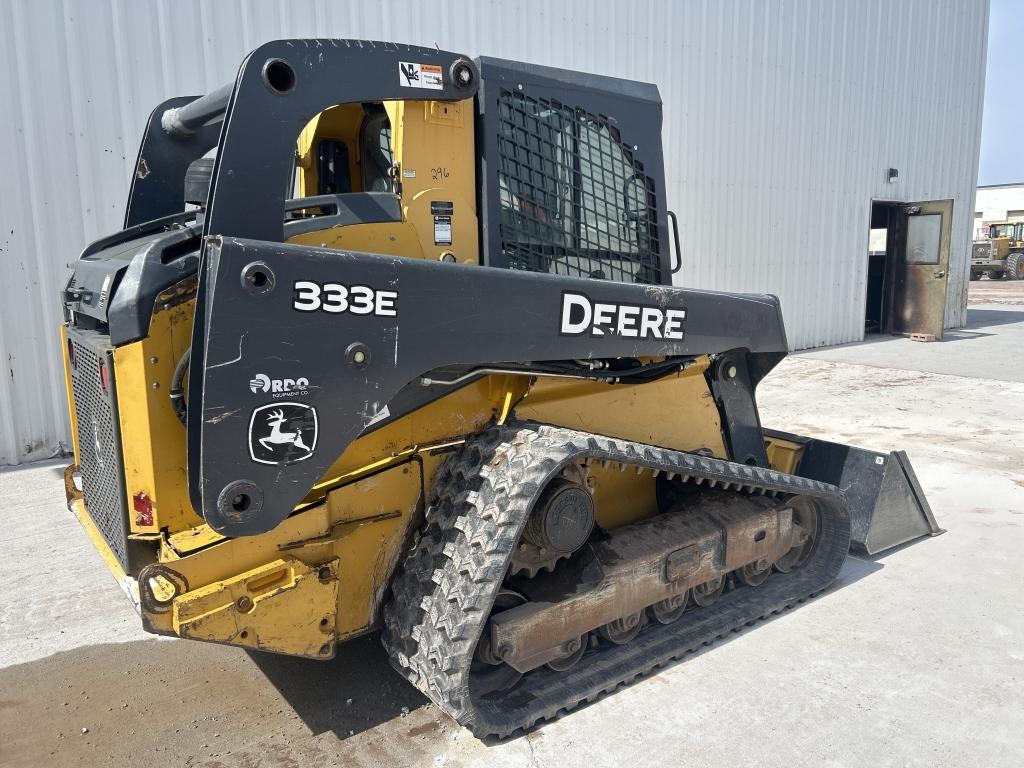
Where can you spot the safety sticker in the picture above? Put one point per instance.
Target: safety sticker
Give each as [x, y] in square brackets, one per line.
[413, 75]
[282, 433]
[442, 230]
[105, 291]
[383, 413]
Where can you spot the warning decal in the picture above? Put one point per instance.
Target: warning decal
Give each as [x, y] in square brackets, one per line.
[442, 230]
[412, 75]
[442, 211]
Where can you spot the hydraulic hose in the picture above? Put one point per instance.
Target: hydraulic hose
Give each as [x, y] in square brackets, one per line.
[177, 392]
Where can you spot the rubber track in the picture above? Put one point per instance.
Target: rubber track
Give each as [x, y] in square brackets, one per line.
[444, 590]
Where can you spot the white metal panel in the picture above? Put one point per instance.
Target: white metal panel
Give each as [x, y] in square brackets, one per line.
[996, 202]
[781, 119]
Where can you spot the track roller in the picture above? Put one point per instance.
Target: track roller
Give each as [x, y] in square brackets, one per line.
[621, 631]
[671, 608]
[707, 593]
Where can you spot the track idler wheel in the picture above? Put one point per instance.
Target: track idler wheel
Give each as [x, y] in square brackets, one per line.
[491, 673]
[671, 608]
[622, 630]
[805, 519]
[707, 593]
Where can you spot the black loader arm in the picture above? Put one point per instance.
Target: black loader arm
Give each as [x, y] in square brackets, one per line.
[359, 327]
[356, 329]
[280, 87]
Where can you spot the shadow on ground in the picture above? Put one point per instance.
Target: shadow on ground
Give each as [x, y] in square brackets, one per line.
[977, 319]
[983, 318]
[172, 702]
[355, 690]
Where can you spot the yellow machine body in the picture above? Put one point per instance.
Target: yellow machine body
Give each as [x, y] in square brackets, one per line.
[322, 575]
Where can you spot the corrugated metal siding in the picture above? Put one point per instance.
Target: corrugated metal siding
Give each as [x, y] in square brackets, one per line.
[781, 119]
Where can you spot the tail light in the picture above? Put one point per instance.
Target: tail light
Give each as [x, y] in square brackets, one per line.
[143, 506]
[104, 378]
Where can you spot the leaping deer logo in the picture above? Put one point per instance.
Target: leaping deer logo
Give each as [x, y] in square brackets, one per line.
[279, 437]
[282, 433]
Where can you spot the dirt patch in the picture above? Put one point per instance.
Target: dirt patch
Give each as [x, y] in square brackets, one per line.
[171, 703]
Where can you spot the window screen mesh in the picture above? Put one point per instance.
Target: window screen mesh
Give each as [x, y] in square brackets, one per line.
[573, 200]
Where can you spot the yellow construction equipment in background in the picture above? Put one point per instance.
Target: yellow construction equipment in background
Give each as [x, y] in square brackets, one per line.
[1000, 253]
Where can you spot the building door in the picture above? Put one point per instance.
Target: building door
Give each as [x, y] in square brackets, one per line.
[919, 267]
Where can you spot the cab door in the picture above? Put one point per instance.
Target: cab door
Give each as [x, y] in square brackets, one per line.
[919, 267]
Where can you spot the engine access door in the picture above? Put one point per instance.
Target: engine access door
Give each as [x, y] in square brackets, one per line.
[919, 267]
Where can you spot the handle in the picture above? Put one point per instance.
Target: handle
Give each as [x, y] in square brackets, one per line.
[675, 237]
[939, 274]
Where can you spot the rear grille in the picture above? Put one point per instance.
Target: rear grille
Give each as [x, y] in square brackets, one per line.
[99, 438]
[573, 199]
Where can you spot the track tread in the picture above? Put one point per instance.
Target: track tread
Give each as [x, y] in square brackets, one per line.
[447, 583]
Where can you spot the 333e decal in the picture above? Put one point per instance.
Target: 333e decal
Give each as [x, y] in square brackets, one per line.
[335, 298]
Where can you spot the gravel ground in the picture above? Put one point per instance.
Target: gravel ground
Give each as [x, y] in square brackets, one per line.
[987, 291]
[912, 658]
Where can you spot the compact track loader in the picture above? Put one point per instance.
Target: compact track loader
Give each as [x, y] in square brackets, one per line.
[389, 339]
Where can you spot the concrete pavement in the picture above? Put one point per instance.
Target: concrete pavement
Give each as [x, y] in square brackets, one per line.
[987, 347]
[914, 658]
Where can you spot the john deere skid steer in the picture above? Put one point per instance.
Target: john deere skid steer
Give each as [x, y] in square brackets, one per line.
[389, 339]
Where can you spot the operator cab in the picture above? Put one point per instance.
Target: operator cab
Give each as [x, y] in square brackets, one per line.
[1014, 230]
[345, 149]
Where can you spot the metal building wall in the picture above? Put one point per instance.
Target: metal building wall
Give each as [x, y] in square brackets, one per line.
[997, 201]
[781, 119]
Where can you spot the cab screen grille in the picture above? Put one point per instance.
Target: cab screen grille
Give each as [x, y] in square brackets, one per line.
[573, 200]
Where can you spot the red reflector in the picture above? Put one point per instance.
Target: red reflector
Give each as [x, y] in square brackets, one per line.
[143, 508]
[104, 377]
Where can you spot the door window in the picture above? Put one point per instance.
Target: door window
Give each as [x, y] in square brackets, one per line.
[923, 235]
